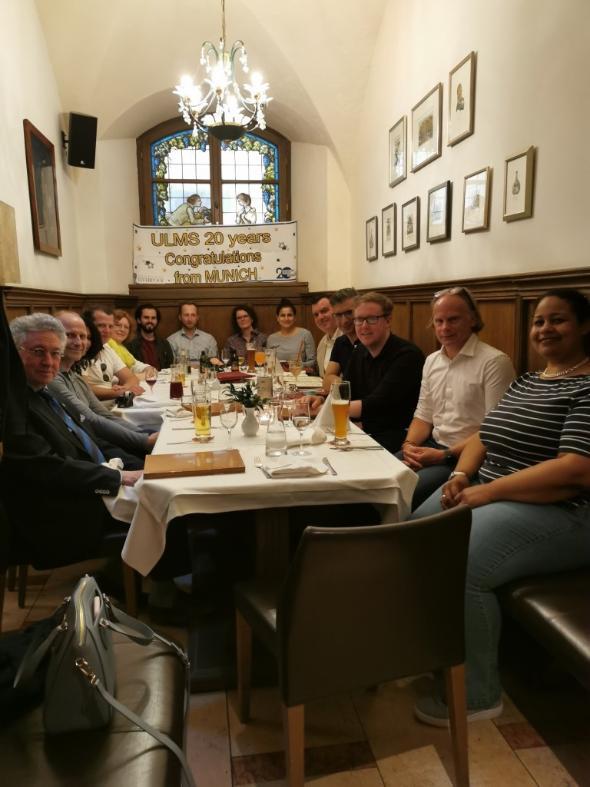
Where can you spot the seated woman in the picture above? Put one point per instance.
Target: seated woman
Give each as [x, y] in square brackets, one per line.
[291, 341]
[103, 369]
[526, 475]
[244, 323]
[121, 334]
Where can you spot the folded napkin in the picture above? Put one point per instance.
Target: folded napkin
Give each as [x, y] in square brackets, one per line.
[316, 437]
[296, 468]
[147, 401]
[177, 412]
[233, 377]
[325, 418]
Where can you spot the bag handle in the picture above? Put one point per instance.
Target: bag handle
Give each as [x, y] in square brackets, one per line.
[164, 739]
[137, 631]
[34, 655]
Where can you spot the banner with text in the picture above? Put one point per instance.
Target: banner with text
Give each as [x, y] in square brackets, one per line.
[215, 254]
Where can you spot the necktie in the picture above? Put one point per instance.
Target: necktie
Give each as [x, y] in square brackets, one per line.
[88, 443]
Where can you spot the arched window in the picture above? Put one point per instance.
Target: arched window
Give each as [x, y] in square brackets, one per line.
[186, 179]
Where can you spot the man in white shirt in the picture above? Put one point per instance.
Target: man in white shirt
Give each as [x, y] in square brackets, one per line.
[461, 382]
[321, 310]
[188, 338]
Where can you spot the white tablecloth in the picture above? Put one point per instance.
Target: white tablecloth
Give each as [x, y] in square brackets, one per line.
[374, 477]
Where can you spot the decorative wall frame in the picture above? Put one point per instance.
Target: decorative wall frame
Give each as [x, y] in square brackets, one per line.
[476, 200]
[371, 239]
[411, 224]
[438, 225]
[461, 100]
[398, 152]
[389, 230]
[426, 128]
[40, 157]
[518, 185]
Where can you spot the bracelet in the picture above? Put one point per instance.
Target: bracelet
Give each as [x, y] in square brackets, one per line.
[456, 473]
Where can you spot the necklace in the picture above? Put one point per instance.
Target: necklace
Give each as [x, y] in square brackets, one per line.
[563, 372]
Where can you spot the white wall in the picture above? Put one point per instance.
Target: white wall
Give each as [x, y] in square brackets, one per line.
[28, 90]
[531, 89]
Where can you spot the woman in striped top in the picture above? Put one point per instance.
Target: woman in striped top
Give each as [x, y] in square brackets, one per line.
[526, 477]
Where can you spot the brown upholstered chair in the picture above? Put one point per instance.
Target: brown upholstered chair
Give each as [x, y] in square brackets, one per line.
[361, 606]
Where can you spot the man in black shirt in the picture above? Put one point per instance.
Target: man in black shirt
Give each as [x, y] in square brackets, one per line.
[342, 303]
[384, 373]
[146, 346]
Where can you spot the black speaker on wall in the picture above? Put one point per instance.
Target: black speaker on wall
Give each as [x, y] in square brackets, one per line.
[82, 140]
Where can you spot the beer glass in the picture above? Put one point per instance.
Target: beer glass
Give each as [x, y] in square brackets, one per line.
[340, 393]
[201, 411]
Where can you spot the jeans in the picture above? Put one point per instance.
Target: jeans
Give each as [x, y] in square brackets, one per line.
[430, 477]
[509, 540]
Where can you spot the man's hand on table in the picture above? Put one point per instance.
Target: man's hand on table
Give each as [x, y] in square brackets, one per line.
[130, 477]
[151, 440]
[315, 403]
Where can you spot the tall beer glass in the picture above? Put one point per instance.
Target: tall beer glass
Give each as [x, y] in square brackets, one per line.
[201, 411]
[340, 393]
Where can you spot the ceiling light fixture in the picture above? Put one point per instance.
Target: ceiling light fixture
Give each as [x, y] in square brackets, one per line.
[218, 105]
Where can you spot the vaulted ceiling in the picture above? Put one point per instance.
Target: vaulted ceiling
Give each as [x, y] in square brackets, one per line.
[119, 60]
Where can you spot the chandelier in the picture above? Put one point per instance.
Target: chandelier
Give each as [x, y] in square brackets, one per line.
[219, 105]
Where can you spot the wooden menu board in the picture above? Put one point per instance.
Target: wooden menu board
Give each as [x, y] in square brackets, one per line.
[198, 463]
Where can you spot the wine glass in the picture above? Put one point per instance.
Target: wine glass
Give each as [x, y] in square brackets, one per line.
[151, 376]
[225, 356]
[228, 416]
[301, 418]
[296, 367]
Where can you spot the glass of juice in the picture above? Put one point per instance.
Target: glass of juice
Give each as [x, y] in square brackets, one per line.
[340, 393]
[201, 396]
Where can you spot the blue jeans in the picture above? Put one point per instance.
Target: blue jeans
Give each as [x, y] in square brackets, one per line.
[509, 540]
[430, 477]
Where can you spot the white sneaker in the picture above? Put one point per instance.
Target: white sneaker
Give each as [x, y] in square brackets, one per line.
[434, 711]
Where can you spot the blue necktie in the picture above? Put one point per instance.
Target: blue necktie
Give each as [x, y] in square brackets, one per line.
[88, 443]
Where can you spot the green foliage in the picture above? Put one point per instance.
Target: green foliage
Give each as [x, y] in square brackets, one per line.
[246, 396]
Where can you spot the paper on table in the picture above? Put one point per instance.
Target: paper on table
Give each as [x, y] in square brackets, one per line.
[295, 468]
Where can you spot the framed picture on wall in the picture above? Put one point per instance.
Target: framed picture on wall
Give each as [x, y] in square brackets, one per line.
[40, 158]
[411, 224]
[371, 240]
[461, 100]
[388, 230]
[439, 213]
[476, 200]
[426, 128]
[518, 185]
[398, 162]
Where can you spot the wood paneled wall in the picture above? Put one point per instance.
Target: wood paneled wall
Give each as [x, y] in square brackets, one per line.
[506, 304]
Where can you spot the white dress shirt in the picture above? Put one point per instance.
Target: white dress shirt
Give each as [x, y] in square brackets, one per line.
[456, 393]
[324, 350]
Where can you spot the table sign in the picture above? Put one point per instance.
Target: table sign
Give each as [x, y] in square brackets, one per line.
[198, 463]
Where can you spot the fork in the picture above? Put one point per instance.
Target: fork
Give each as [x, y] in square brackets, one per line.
[259, 464]
[328, 464]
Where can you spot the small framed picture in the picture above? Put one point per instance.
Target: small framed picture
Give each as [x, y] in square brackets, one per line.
[426, 128]
[398, 163]
[461, 100]
[439, 213]
[388, 230]
[371, 241]
[518, 185]
[40, 158]
[476, 200]
[411, 224]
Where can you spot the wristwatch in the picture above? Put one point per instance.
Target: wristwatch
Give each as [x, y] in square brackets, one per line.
[448, 457]
[456, 473]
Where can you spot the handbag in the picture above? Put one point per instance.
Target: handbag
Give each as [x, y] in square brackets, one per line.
[80, 682]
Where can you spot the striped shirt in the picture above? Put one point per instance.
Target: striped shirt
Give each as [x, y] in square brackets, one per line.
[536, 420]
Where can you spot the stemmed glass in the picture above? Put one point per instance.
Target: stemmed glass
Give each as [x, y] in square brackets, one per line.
[296, 367]
[228, 416]
[225, 356]
[301, 419]
[151, 376]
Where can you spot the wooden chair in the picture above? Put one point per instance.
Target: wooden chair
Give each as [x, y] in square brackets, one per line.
[361, 606]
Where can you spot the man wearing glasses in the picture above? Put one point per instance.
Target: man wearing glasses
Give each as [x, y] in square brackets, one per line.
[461, 382]
[384, 373]
[342, 303]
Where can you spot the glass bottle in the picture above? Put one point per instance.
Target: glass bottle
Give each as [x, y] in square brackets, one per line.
[276, 436]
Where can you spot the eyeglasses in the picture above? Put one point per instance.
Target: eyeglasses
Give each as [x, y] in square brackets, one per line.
[455, 291]
[105, 377]
[41, 352]
[348, 314]
[372, 320]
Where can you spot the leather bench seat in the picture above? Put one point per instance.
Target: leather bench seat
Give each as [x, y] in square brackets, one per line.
[151, 681]
[555, 610]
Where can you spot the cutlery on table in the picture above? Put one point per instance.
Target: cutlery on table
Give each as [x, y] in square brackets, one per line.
[259, 464]
[357, 448]
[328, 464]
[181, 442]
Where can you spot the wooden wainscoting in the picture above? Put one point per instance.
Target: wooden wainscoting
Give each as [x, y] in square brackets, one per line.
[506, 304]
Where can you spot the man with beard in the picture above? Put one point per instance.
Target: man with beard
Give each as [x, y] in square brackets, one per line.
[146, 346]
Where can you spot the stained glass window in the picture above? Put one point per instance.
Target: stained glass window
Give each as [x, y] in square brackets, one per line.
[198, 180]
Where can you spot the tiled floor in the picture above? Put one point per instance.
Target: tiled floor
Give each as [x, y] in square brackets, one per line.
[369, 739]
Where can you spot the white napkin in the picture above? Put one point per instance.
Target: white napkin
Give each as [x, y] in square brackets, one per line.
[296, 468]
[146, 401]
[177, 412]
[316, 437]
[325, 418]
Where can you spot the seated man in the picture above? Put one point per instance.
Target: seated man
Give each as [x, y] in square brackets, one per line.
[147, 345]
[189, 338]
[342, 303]
[52, 476]
[461, 382]
[323, 316]
[384, 373]
[107, 374]
[71, 390]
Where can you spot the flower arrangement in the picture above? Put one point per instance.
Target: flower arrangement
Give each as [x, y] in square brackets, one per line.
[246, 396]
